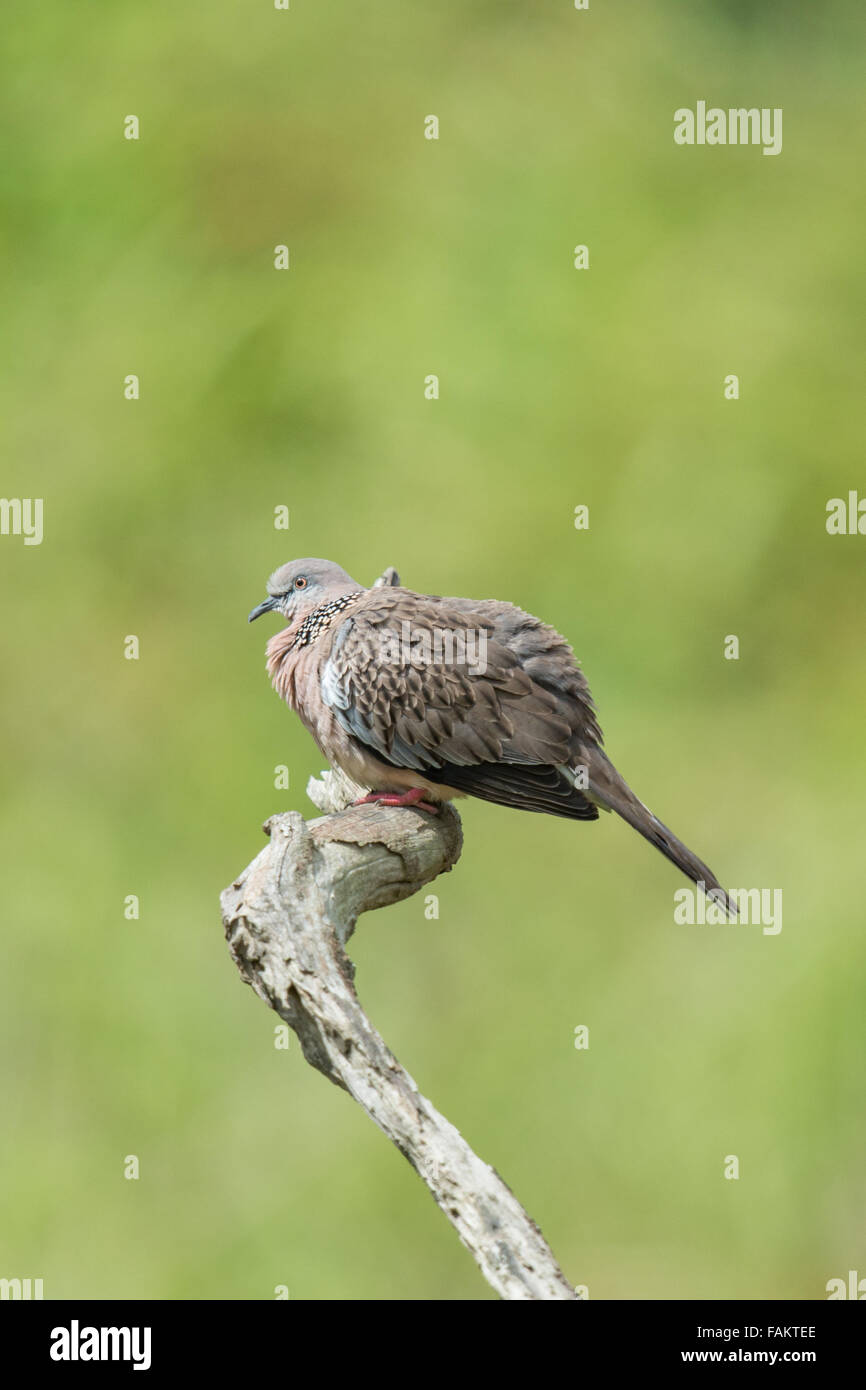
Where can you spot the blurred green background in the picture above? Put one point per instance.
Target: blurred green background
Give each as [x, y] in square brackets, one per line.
[306, 388]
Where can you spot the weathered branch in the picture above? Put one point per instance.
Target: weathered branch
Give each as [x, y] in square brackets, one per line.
[287, 919]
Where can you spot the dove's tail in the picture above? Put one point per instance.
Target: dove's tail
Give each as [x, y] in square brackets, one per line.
[609, 790]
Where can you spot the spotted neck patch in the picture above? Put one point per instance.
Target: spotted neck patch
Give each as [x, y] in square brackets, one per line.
[321, 618]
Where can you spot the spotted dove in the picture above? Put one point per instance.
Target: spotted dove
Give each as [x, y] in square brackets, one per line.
[421, 699]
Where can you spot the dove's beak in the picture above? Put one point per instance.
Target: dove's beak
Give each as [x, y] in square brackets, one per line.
[266, 606]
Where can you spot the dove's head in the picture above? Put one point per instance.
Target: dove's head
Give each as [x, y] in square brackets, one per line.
[299, 587]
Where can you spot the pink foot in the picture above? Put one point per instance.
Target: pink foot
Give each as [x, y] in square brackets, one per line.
[413, 797]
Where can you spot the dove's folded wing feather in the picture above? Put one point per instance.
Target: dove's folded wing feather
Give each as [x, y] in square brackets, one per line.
[481, 719]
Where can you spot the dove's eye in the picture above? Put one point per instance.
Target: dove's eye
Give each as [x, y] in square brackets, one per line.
[300, 582]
